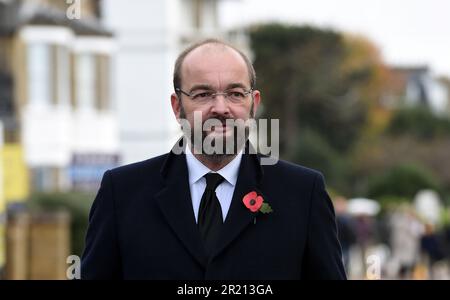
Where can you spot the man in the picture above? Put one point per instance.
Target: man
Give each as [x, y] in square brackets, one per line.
[212, 215]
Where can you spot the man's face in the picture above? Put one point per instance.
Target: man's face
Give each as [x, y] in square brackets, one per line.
[215, 68]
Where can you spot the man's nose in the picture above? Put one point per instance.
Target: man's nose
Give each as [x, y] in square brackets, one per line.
[220, 105]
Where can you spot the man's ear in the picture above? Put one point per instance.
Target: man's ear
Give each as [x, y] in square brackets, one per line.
[256, 101]
[176, 105]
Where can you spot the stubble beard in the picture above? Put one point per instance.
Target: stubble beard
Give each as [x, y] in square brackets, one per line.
[231, 144]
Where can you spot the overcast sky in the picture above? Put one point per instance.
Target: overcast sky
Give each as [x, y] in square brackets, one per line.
[408, 32]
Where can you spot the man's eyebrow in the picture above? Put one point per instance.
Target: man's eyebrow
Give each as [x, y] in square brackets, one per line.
[235, 85]
[201, 87]
[210, 87]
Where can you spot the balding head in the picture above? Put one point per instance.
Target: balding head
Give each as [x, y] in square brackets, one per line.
[210, 47]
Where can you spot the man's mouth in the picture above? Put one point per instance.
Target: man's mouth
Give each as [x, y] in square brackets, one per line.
[220, 129]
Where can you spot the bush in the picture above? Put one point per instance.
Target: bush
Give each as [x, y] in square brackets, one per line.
[313, 151]
[402, 181]
[419, 122]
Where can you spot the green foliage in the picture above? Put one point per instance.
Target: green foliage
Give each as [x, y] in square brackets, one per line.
[77, 204]
[445, 198]
[402, 181]
[445, 217]
[419, 122]
[300, 70]
[313, 151]
[387, 203]
[324, 87]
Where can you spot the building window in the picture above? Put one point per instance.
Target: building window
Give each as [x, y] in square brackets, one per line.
[86, 81]
[40, 74]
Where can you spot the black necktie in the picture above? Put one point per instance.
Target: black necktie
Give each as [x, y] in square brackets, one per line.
[210, 214]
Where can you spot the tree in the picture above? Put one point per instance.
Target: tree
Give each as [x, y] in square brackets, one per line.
[313, 151]
[315, 79]
[403, 180]
[419, 122]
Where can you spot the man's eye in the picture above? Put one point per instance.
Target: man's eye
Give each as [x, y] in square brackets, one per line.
[236, 95]
[202, 95]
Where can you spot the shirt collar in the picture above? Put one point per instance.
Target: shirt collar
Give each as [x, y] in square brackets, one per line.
[197, 169]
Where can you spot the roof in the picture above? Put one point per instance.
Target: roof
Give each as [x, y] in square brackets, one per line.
[13, 16]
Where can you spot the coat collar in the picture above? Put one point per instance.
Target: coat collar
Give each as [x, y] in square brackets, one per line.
[176, 205]
[197, 170]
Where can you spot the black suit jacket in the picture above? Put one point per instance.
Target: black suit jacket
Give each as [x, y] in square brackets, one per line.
[142, 226]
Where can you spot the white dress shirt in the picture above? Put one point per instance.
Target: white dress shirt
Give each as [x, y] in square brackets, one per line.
[197, 183]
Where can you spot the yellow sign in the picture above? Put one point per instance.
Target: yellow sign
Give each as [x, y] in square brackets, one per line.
[2, 204]
[15, 173]
[2, 183]
[2, 243]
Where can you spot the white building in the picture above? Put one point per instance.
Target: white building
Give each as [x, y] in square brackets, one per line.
[417, 85]
[62, 111]
[150, 34]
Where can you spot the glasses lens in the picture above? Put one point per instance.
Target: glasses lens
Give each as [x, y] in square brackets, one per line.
[236, 95]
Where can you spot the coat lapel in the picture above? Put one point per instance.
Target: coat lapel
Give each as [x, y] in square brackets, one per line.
[239, 217]
[175, 203]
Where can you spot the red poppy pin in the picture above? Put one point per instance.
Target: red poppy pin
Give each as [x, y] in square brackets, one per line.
[255, 202]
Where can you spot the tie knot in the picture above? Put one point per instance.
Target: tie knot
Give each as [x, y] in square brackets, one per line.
[213, 180]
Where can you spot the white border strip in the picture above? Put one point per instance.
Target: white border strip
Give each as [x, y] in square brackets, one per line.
[46, 34]
[102, 45]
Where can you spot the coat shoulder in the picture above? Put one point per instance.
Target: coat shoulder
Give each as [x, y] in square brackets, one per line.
[291, 175]
[286, 168]
[149, 168]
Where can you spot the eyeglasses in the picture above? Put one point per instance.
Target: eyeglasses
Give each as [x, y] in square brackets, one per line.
[234, 95]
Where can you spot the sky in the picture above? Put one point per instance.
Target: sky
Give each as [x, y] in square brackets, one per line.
[408, 32]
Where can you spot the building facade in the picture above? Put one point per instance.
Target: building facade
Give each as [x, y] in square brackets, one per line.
[55, 90]
[417, 86]
[150, 34]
